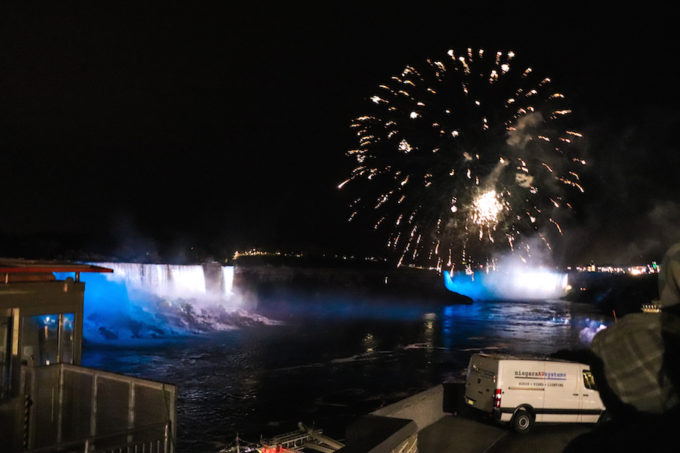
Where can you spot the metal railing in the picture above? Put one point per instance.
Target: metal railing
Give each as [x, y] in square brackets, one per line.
[115, 443]
[73, 405]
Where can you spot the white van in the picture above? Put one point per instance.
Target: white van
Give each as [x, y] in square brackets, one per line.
[524, 391]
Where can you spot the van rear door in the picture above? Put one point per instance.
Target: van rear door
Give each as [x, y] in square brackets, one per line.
[480, 384]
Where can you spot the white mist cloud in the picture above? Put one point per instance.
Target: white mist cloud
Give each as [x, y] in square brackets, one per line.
[659, 229]
[520, 134]
[513, 277]
[524, 180]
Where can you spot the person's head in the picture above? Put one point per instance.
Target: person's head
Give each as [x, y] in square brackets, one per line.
[669, 279]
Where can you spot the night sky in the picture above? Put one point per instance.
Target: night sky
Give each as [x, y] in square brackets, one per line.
[183, 132]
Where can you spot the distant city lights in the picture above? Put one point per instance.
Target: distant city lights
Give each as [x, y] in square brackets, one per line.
[636, 270]
[256, 252]
[645, 269]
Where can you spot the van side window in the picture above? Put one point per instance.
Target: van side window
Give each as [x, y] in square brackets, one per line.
[589, 380]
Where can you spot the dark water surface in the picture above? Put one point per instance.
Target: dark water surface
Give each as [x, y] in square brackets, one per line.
[327, 366]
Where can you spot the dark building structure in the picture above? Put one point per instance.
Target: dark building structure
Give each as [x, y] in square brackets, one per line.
[48, 402]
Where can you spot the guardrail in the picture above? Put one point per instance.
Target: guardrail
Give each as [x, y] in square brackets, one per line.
[71, 405]
[158, 441]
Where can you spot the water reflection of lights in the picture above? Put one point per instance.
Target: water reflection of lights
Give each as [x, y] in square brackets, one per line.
[592, 327]
[430, 318]
[428, 330]
[519, 326]
[369, 343]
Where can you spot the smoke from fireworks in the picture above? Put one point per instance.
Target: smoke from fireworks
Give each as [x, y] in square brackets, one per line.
[462, 157]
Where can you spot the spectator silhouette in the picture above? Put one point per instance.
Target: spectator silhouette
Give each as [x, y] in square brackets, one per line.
[635, 363]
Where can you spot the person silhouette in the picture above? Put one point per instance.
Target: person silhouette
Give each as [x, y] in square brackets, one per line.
[635, 364]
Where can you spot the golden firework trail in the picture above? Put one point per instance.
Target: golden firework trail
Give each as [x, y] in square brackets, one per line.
[463, 156]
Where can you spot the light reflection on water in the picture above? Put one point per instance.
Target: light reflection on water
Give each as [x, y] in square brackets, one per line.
[536, 327]
[329, 366]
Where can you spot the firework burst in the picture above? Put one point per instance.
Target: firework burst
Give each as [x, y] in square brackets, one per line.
[464, 156]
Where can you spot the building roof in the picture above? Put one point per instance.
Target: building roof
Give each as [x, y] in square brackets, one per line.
[19, 265]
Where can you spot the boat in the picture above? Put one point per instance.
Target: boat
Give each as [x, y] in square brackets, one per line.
[303, 439]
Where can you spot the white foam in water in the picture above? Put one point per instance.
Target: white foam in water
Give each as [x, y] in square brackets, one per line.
[587, 334]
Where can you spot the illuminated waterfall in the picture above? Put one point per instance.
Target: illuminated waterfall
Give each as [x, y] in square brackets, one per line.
[228, 280]
[512, 284]
[149, 301]
[173, 281]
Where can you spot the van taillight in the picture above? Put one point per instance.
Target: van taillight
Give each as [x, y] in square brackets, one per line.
[497, 399]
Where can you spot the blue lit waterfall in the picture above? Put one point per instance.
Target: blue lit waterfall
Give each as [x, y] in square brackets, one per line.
[147, 302]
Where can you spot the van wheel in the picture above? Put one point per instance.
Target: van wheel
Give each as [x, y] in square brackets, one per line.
[522, 421]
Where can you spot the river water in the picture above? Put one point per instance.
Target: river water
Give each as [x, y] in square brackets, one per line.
[325, 365]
